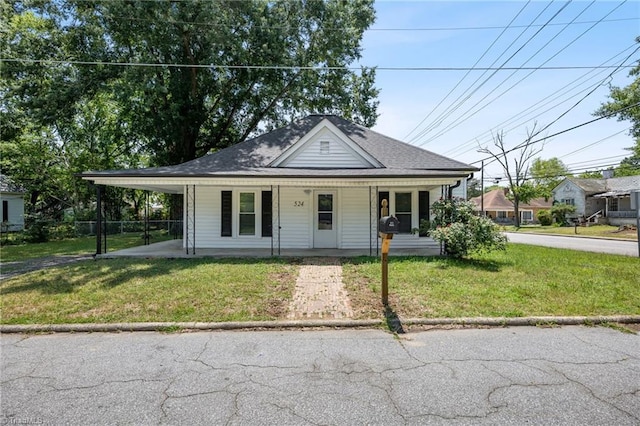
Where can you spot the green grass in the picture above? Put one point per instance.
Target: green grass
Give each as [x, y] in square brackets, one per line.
[128, 290]
[70, 246]
[604, 231]
[525, 280]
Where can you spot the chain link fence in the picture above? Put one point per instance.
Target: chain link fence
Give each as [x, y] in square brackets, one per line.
[173, 227]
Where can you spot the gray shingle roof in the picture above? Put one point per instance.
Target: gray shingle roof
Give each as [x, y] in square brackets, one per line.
[253, 157]
[9, 186]
[611, 185]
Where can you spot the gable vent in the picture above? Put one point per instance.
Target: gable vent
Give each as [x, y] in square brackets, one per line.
[324, 147]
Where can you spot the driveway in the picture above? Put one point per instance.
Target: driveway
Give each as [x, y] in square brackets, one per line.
[598, 245]
[569, 375]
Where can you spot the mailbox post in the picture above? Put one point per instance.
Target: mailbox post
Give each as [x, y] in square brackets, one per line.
[387, 227]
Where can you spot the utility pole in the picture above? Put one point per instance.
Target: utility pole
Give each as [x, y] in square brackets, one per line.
[482, 188]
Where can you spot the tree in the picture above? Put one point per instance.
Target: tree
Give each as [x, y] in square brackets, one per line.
[462, 232]
[218, 72]
[547, 174]
[474, 189]
[630, 166]
[590, 175]
[520, 191]
[625, 102]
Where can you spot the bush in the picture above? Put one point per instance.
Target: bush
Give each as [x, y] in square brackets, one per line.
[462, 232]
[545, 218]
[37, 232]
[561, 211]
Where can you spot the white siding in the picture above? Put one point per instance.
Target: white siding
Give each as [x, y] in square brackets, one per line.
[355, 218]
[568, 189]
[356, 229]
[296, 217]
[15, 211]
[339, 155]
[208, 220]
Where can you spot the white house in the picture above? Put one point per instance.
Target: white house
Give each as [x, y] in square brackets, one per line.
[607, 197]
[316, 183]
[12, 197]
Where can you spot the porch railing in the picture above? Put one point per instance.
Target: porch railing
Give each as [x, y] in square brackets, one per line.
[622, 213]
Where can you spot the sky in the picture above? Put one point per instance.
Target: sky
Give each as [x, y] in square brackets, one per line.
[454, 112]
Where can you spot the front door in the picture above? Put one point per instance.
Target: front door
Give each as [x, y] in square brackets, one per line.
[325, 234]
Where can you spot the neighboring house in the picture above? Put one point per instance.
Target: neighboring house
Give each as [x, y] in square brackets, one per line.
[316, 183]
[12, 197]
[499, 208]
[594, 198]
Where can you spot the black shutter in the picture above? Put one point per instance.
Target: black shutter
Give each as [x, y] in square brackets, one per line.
[5, 211]
[226, 214]
[383, 195]
[423, 208]
[266, 214]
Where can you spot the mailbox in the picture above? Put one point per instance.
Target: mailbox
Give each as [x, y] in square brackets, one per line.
[389, 225]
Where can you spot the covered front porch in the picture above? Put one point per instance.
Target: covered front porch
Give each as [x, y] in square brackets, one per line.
[174, 249]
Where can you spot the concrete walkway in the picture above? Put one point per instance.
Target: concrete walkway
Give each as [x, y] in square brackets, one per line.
[319, 291]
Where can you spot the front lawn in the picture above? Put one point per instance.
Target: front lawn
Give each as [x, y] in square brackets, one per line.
[142, 290]
[72, 246]
[603, 231]
[525, 280]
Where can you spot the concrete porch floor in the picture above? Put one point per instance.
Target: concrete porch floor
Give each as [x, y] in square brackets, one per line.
[173, 249]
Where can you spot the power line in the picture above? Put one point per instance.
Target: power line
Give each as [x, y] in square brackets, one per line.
[594, 143]
[470, 111]
[525, 143]
[468, 72]
[297, 68]
[538, 105]
[458, 102]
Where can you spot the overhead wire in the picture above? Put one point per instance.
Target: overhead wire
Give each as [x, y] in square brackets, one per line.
[565, 90]
[463, 118]
[468, 72]
[458, 102]
[533, 142]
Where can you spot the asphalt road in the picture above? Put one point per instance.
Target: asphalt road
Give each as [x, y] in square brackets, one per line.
[545, 376]
[598, 245]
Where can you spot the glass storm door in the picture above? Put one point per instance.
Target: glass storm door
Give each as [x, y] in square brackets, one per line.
[325, 234]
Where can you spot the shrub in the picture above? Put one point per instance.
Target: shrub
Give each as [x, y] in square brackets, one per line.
[37, 232]
[462, 232]
[560, 212]
[545, 218]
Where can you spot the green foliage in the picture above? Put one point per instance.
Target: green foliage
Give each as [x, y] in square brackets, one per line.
[455, 225]
[621, 100]
[547, 174]
[561, 211]
[630, 166]
[545, 218]
[524, 192]
[37, 231]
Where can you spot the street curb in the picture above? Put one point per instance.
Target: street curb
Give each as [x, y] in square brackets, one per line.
[571, 236]
[253, 325]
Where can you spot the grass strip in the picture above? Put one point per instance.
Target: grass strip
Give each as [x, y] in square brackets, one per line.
[147, 290]
[522, 281]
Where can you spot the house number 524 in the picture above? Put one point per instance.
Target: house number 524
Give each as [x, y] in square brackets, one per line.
[298, 204]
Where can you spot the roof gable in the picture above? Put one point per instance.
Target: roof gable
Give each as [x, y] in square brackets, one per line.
[384, 156]
[325, 146]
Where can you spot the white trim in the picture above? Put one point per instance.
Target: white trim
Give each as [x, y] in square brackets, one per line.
[176, 185]
[288, 154]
